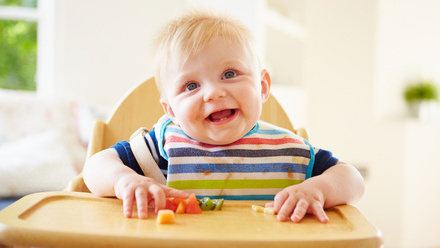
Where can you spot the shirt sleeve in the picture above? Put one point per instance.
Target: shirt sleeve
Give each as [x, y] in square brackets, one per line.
[323, 160]
[127, 157]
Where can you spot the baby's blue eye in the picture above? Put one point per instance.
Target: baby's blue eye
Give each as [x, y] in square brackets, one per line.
[191, 86]
[229, 74]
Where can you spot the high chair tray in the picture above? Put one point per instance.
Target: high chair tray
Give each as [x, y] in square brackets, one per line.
[67, 219]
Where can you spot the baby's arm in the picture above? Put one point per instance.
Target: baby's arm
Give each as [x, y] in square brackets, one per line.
[340, 184]
[106, 175]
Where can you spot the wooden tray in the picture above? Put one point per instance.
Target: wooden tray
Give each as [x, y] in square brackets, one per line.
[67, 219]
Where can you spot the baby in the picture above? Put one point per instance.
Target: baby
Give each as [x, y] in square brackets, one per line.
[211, 142]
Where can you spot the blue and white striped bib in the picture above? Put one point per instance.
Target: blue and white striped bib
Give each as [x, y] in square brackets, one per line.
[255, 167]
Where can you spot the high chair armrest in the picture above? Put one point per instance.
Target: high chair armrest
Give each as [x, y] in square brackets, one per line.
[77, 185]
[95, 145]
[96, 142]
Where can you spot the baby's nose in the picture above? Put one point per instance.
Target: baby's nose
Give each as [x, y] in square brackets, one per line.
[214, 92]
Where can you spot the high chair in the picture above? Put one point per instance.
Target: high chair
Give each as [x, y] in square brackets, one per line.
[76, 218]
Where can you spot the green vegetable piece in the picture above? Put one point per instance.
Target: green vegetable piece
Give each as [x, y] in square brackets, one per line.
[207, 204]
[218, 203]
[199, 202]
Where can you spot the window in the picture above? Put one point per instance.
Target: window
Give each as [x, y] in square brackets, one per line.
[18, 44]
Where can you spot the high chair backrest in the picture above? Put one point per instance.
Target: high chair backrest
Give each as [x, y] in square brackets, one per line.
[141, 108]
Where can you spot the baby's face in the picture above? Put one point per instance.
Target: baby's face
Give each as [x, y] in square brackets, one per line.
[216, 97]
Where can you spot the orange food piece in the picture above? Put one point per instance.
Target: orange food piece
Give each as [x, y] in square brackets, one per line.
[176, 201]
[165, 216]
[181, 208]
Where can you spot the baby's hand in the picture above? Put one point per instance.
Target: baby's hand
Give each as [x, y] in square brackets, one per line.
[144, 191]
[297, 200]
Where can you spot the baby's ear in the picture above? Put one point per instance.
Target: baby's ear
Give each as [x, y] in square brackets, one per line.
[168, 110]
[266, 83]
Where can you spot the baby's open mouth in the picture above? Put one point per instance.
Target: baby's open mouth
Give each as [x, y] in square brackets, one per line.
[222, 115]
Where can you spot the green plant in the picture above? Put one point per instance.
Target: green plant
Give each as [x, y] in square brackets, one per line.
[421, 91]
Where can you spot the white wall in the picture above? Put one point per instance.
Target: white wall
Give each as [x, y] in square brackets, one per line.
[103, 47]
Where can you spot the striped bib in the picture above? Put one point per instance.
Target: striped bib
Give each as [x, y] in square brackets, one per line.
[256, 167]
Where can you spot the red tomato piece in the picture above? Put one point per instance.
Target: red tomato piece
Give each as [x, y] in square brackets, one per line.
[170, 205]
[192, 206]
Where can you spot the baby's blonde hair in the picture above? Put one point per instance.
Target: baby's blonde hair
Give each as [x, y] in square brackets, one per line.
[189, 34]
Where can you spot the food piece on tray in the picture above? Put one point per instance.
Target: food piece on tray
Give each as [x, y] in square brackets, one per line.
[165, 216]
[218, 204]
[266, 210]
[181, 206]
[269, 210]
[192, 206]
[169, 204]
[207, 204]
[257, 208]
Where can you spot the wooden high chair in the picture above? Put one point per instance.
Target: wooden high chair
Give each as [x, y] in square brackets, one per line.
[76, 218]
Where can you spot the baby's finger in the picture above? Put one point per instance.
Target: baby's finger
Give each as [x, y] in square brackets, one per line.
[300, 211]
[142, 202]
[279, 200]
[269, 204]
[127, 203]
[319, 212]
[159, 196]
[286, 209]
[170, 192]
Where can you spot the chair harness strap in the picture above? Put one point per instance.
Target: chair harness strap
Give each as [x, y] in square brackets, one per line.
[143, 156]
